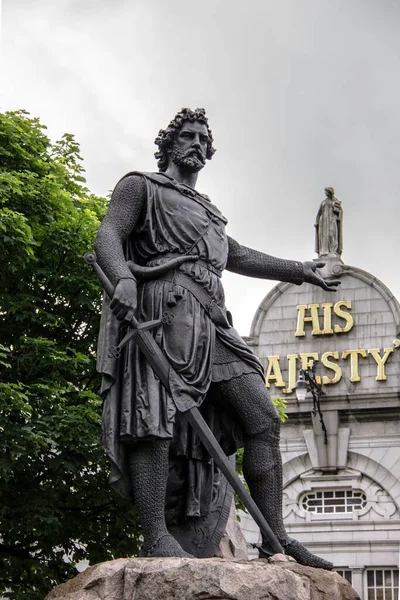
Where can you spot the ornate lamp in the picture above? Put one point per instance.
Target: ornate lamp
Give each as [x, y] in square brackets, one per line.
[302, 386]
[307, 383]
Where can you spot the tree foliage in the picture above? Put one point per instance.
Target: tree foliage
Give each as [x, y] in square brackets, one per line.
[56, 508]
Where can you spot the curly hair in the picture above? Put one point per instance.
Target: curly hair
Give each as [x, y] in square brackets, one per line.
[166, 137]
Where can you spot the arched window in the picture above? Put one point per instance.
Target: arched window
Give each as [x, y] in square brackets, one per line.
[333, 501]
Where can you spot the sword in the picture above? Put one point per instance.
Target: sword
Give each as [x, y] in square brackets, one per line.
[160, 364]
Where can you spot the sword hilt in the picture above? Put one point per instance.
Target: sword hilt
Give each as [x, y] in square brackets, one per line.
[91, 259]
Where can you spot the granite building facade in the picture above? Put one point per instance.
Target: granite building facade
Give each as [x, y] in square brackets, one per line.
[341, 491]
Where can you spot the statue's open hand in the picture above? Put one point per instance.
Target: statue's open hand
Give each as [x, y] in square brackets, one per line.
[312, 276]
[124, 300]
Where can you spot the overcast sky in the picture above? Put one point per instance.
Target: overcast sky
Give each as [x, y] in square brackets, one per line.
[300, 94]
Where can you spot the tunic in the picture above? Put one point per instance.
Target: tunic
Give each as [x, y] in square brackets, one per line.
[176, 220]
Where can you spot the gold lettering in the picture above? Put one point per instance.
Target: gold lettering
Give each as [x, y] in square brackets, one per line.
[343, 315]
[274, 373]
[380, 361]
[327, 306]
[331, 365]
[292, 373]
[354, 354]
[307, 361]
[302, 319]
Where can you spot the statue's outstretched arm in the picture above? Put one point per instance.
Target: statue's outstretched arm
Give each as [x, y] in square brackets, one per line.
[126, 204]
[252, 263]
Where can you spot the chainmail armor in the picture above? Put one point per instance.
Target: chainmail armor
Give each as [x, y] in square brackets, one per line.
[249, 262]
[127, 201]
[148, 465]
[248, 397]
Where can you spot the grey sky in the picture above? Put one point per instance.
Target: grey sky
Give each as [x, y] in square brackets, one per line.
[300, 95]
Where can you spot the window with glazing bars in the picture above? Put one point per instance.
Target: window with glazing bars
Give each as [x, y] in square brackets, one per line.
[382, 584]
[333, 501]
[346, 574]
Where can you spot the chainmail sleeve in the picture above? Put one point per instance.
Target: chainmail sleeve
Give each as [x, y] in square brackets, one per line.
[245, 261]
[126, 204]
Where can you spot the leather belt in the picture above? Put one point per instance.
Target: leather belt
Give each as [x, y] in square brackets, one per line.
[214, 311]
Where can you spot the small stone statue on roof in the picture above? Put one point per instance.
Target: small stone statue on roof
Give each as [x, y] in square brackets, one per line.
[329, 226]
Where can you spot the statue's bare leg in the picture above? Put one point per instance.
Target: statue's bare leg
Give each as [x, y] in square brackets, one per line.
[248, 397]
[148, 465]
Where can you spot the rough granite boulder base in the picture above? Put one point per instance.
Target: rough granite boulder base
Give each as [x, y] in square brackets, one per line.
[233, 545]
[203, 579]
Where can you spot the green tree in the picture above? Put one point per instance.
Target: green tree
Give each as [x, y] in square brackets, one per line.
[55, 504]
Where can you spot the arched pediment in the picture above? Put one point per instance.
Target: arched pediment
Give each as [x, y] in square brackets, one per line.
[351, 335]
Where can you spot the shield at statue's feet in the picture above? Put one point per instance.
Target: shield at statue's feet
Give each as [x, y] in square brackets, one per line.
[211, 498]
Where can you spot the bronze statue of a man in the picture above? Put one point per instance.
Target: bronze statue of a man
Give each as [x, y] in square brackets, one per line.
[153, 219]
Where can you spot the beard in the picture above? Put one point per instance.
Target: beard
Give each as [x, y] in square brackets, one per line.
[192, 160]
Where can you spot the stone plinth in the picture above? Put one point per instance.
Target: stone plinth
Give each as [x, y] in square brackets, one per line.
[205, 579]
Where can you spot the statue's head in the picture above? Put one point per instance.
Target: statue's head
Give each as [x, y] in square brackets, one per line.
[186, 141]
[330, 192]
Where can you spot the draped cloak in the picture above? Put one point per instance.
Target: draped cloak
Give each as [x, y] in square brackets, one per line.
[176, 220]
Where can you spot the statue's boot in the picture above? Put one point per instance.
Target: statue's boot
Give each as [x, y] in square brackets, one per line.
[262, 468]
[166, 545]
[148, 465]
